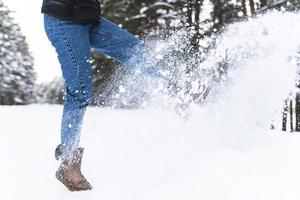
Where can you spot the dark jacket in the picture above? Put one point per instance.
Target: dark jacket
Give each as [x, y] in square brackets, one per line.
[81, 11]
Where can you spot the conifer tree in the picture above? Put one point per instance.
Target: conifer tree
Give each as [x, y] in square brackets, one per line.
[17, 76]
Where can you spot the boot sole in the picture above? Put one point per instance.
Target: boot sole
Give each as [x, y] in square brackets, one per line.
[71, 188]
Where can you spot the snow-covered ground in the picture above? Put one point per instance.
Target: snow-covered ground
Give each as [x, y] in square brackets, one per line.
[147, 154]
[224, 150]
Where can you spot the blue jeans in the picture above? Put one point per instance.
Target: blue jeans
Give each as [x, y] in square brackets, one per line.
[73, 43]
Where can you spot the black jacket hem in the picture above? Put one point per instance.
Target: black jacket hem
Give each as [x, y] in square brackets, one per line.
[82, 14]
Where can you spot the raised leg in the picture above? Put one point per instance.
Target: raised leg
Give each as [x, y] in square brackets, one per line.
[109, 39]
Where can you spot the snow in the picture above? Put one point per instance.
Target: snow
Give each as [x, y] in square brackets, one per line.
[147, 154]
[224, 149]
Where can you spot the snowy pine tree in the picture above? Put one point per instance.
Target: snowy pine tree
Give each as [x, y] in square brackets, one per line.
[52, 92]
[17, 76]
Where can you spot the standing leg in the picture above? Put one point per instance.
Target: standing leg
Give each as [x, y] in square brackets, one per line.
[71, 42]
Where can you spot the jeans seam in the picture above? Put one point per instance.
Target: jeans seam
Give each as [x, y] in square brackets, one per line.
[70, 50]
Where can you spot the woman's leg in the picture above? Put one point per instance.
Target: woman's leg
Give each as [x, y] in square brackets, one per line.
[109, 39]
[71, 42]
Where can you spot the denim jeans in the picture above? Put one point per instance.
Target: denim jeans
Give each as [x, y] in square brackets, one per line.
[73, 43]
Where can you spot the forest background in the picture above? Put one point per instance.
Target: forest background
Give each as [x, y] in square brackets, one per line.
[148, 20]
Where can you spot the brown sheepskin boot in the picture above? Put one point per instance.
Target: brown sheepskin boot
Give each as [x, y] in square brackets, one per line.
[69, 171]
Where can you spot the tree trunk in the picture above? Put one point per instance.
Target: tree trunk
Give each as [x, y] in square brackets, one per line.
[197, 8]
[297, 110]
[291, 116]
[252, 6]
[284, 116]
[244, 7]
[190, 12]
[197, 12]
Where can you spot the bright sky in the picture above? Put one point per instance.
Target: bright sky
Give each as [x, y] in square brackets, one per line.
[28, 15]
